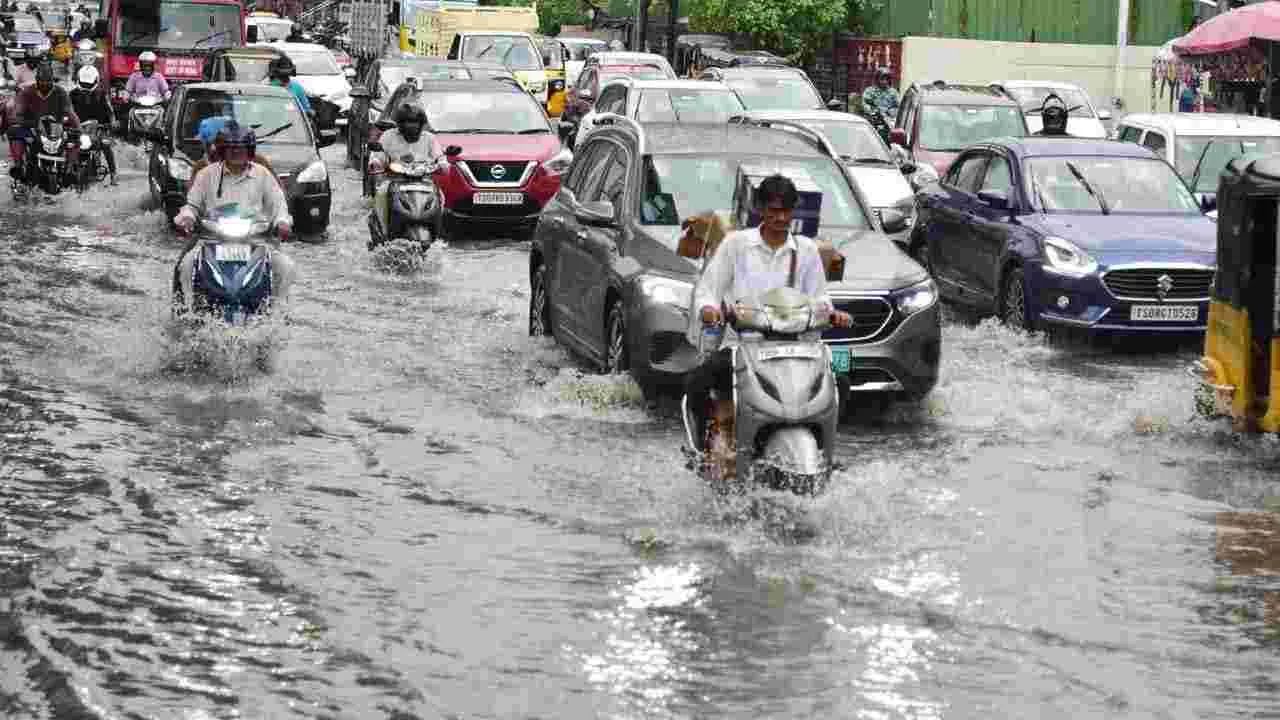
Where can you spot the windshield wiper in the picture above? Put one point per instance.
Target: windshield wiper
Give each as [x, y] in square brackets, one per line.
[1102, 201]
[877, 160]
[207, 38]
[533, 131]
[1195, 176]
[472, 131]
[278, 130]
[139, 36]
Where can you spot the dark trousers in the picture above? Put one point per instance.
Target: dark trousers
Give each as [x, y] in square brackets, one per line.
[110, 157]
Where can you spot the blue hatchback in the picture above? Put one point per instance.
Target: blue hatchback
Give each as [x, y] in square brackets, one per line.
[1093, 234]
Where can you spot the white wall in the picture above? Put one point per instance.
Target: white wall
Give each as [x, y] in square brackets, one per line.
[980, 61]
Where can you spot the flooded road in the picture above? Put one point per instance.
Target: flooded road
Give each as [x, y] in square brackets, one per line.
[421, 512]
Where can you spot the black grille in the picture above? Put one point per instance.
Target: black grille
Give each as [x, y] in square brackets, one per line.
[512, 170]
[869, 316]
[1145, 283]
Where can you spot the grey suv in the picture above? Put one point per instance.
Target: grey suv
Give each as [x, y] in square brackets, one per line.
[606, 280]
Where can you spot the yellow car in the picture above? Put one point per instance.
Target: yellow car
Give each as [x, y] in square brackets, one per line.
[1240, 369]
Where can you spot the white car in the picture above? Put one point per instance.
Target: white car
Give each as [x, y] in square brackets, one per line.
[319, 75]
[1085, 120]
[669, 101]
[1199, 145]
[269, 29]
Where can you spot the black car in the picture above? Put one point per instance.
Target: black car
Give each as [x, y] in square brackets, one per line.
[284, 138]
[606, 279]
[771, 87]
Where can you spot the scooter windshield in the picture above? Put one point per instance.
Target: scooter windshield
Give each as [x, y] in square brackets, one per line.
[780, 311]
[231, 221]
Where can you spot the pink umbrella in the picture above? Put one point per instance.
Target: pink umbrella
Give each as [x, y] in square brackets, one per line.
[1233, 30]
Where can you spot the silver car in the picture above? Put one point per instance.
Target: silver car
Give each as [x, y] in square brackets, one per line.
[607, 282]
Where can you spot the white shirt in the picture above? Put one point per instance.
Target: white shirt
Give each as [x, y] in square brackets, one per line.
[395, 146]
[745, 266]
[254, 190]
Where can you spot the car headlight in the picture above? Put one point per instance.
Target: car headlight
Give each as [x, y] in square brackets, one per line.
[918, 297]
[1064, 258]
[559, 163]
[179, 169]
[315, 172]
[665, 291]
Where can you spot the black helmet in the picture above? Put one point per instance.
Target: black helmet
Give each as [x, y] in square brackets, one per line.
[44, 74]
[1053, 113]
[233, 134]
[410, 120]
[281, 66]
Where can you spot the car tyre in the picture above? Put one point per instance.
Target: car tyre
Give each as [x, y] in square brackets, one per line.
[1013, 305]
[539, 304]
[617, 360]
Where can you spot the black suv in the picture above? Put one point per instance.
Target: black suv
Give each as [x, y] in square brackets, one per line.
[606, 280]
[937, 120]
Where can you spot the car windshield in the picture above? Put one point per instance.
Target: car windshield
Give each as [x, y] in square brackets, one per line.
[315, 63]
[688, 106]
[1031, 98]
[695, 184]
[178, 26]
[1217, 152]
[483, 112]
[852, 140]
[273, 31]
[1114, 184]
[275, 120]
[775, 91]
[639, 72]
[952, 128]
[249, 69]
[513, 50]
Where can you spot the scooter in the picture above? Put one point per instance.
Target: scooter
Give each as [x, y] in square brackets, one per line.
[144, 115]
[414, 204]
[92, 165]
[782, 430]
[232, 275]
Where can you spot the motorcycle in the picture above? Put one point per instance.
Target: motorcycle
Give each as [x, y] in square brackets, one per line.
[46, 158]
[232, 275]
[92, 165]
[782, 428]
[144, 115]
[414, 204]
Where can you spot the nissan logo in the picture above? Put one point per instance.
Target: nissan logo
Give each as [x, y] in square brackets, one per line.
[498, 172]
[1164, 284]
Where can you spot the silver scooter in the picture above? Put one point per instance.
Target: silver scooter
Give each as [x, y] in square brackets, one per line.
[786, 405]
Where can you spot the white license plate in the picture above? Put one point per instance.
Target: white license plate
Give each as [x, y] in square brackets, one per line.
[416, 188]
[790, 351]
[498, 198]
[1165, 313]
[231, 253]
[50, 158]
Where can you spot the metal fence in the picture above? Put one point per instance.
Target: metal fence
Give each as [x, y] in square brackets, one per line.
[1091, 22]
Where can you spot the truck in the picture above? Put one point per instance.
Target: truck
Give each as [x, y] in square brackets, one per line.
[437, 25]
[180, 32]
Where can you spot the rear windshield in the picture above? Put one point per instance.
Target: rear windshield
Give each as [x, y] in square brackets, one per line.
[515, 51]
[952, 128]
[775, 91]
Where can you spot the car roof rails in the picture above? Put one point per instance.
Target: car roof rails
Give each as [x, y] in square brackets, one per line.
[615, 120]
[813, 136]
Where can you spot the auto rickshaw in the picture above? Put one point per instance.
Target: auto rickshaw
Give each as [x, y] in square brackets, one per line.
[1241, 363]
[554, 55]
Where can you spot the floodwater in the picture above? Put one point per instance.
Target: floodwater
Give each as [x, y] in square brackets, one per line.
[417, 511]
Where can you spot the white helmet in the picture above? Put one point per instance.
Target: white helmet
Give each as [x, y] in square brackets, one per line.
[88, 77]
[147, 57]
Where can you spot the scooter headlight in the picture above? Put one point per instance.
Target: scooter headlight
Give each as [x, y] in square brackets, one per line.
[86, 144]
[314, 173]
[917, 297]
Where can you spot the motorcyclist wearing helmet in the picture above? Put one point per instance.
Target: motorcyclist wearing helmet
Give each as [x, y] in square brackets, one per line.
[882, 97]
[34, 102]
[26, 73]
[407, 141]
[146, 81]
[280, 73]
[90, 102]
[1054, 114]
[235, 179]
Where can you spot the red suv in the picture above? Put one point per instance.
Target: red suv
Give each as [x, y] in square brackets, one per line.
[505, 160]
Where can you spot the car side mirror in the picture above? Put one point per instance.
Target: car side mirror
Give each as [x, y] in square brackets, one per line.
[1208, 203]
[384, 125]
[898, 136]
[599, 212]
[453, 151]
[359, 93]
[908, 167]
[997, 199]
[1104, 115]
[374, 146]
[892, 221]
[251, 34]
[835, 104]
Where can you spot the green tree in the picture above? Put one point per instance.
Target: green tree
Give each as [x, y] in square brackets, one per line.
[795, 28]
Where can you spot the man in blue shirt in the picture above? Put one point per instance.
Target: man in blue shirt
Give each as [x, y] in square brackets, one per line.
[280, 73]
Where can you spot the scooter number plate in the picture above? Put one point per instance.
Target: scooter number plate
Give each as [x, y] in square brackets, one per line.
[416, 188]
[231, 253]
[790, 351]
[50, 158]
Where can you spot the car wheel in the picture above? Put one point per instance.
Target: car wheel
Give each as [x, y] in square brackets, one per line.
[539, 303]
[617, 361]
[1013, 307]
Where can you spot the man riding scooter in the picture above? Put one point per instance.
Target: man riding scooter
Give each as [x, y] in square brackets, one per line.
[145, 81]
[31, 104]
[90, 103]
[751, 262]
[235, 180]
[407, 142]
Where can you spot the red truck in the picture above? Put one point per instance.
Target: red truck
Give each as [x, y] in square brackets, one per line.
[180, 32]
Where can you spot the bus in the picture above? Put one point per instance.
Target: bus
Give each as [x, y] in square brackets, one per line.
[180, 32]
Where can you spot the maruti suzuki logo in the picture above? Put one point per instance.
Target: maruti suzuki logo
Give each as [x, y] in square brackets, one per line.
[1164, 284]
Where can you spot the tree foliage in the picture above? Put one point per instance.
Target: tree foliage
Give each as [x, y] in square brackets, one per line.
[793, 27]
